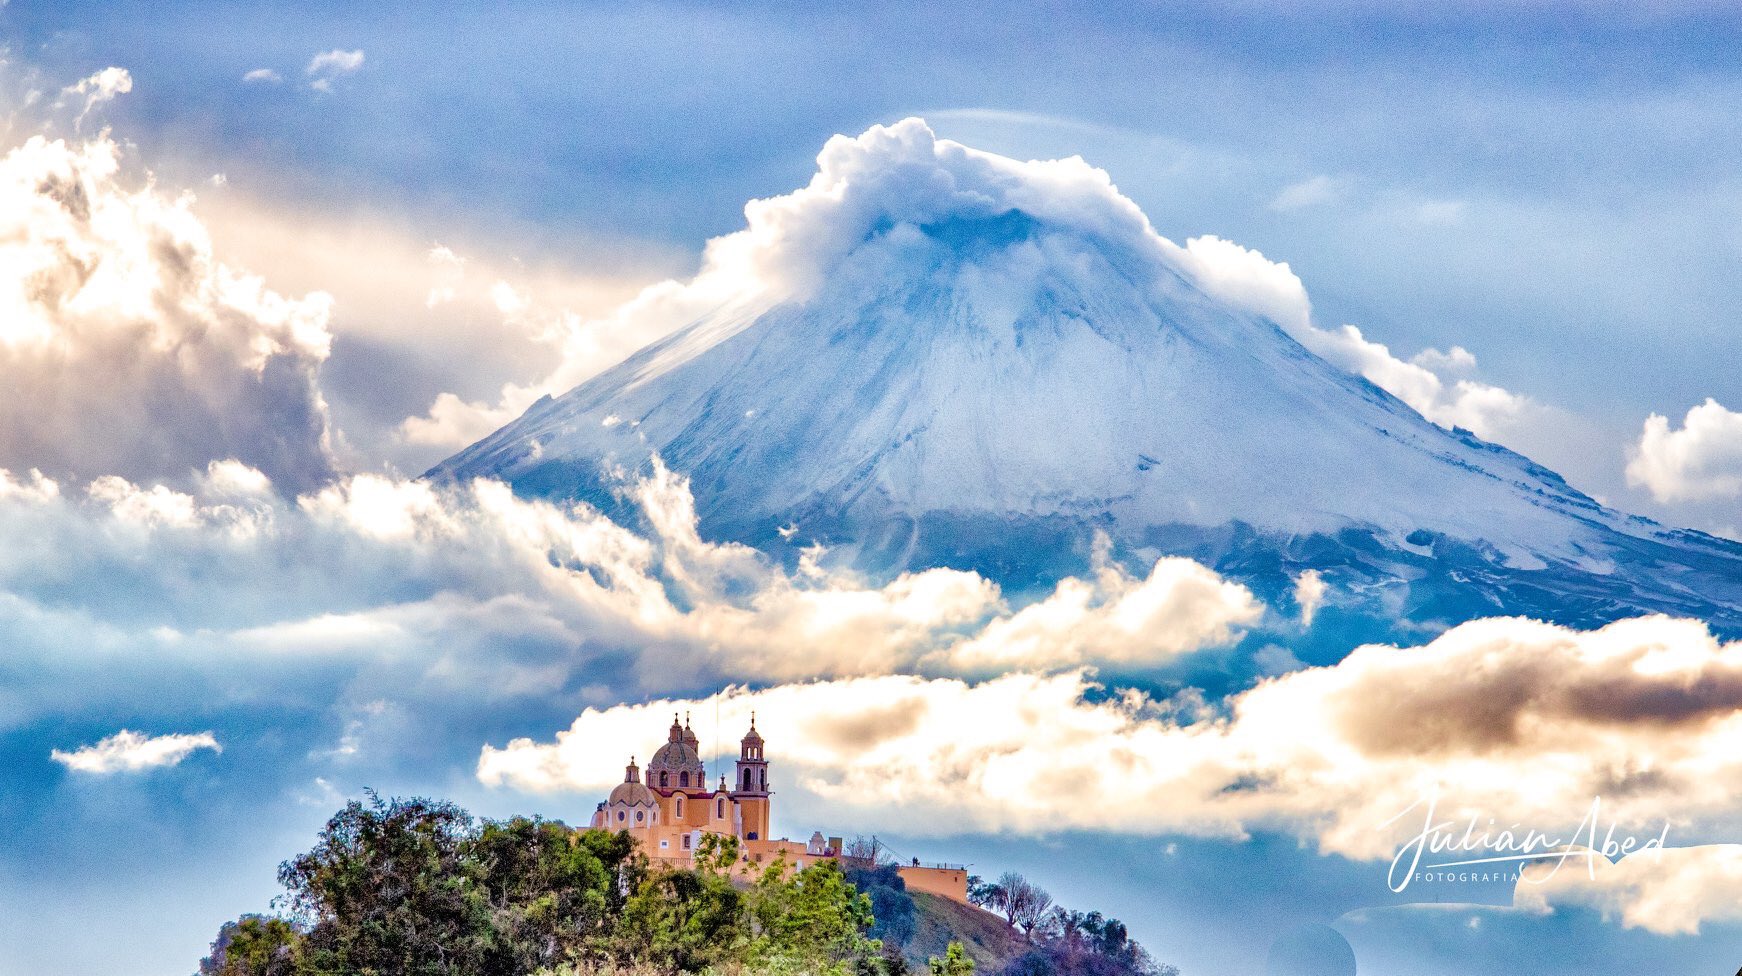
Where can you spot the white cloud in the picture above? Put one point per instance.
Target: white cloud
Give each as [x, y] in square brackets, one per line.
[265, 75]
[1441, 212]
[1310, 192]
[1513, 719]
[113, 305]
[1433, 382]
[1245, 278]
[131, 752]
[99, 88]
[1180, 607]
[1702, 460]
[1309, 594]
[1674, 891]
[375, 565]
[327, 66]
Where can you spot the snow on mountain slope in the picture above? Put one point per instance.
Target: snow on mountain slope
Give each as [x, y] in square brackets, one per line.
[936, 355]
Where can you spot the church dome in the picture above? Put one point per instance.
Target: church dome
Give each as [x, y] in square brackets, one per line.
[679, 755]
[678, 763]
[631, 791]
[632, 794]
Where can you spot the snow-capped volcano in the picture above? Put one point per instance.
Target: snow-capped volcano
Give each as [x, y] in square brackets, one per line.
[932, 355]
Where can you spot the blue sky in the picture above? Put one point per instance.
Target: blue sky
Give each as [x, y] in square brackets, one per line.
[1553, 190]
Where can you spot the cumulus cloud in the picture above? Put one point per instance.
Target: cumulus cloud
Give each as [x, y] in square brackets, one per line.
[328, 66]
[1435, 383]
[104, 86]
[129, 348]
[1428, 382]
[1505, 718]
[131, 752]
[266, 75]
[1702, 460]
[371, 565]
[1309, 594]
[1673, 891]
[1180, 607]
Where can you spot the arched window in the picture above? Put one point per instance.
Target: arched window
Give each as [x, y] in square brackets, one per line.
[662, 780]
[762, 784]
[680, 808]
[720, 809]
[746, 786]
[683, 779]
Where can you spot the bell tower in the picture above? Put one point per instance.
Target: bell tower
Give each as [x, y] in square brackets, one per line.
[751, 784]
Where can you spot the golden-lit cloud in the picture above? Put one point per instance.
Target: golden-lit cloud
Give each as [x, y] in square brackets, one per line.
[1672, 891]
[127, 347]
[1505, 718]
[388, 569]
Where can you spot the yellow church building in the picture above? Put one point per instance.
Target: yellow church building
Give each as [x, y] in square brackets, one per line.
[670, 812]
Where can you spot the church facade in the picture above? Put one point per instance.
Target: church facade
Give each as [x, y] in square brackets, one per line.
[670, 811]
[670, 808]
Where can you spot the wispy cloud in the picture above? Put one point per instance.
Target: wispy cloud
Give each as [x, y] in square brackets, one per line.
[266, 75]
[131, 752]
[324, 68]
[1310, 192]
[101, 87]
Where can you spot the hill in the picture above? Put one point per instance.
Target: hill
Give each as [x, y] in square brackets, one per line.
[989, 941]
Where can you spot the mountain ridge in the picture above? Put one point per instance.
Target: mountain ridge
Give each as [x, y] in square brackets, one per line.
[989, 375]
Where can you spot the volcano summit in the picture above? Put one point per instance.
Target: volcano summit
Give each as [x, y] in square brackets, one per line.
[933, 355]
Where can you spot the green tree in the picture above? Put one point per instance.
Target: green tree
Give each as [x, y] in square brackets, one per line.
[547, 891]
[683, 921]
[814, 915]
[391, 888]
[717, 853]
[254, 945]
[954, 963]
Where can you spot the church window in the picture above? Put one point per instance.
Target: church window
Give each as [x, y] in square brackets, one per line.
[680, 808]
[639, 815]
[686, 842]
[619, 816]
[683, 779]
[662, 780]
[720, 809]
[746, 779]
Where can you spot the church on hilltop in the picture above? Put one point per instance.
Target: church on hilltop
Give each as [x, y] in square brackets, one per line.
[670, 812]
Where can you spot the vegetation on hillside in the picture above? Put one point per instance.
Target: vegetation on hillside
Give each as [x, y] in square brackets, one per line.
[416, 887]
